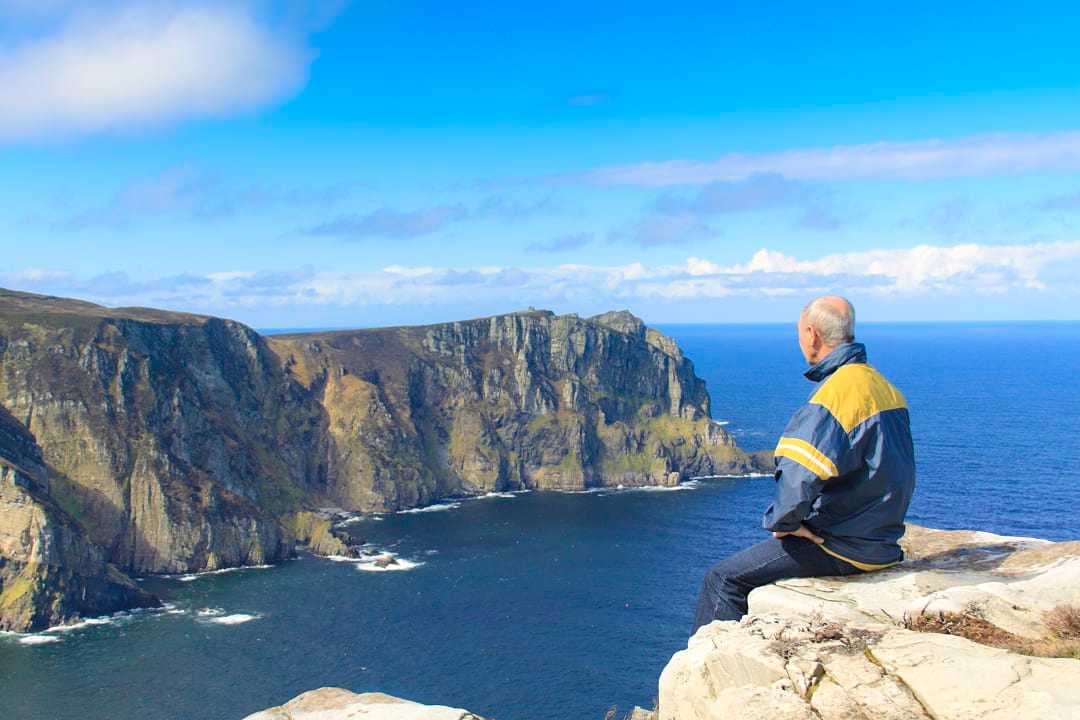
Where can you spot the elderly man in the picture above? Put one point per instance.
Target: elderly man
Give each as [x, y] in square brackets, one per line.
[845, 472]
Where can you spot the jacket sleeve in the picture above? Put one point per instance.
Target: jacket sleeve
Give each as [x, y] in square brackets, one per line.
[813, 449]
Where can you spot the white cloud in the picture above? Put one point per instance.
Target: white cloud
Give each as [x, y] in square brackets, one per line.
[978, 155]
[923, 271]
[121, 67]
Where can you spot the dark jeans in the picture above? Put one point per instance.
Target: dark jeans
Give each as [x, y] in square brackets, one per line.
[726, 585]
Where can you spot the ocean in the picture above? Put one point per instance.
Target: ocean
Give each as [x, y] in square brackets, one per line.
[557, 606]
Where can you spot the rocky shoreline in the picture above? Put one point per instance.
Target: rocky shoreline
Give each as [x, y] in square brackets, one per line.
[138, 441]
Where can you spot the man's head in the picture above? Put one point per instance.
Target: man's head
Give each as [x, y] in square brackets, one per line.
[825, 323]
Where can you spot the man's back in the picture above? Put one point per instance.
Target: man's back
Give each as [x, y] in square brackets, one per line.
[848, 452]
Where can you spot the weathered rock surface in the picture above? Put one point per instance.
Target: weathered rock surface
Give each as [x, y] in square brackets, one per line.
[527, 400]
[49, 571]
[337, 704]
[173, 439]
[170, 443]
[842, 648]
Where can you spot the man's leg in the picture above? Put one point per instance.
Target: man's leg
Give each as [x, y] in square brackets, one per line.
[729, 582]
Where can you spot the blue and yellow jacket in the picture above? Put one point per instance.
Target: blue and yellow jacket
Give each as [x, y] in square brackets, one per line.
[845, 465]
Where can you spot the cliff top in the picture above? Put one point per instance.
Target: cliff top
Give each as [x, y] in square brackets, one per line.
[619, 320]
[30, 306]
[971, 625]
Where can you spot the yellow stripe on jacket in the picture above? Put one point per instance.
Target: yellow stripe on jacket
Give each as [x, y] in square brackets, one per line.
[806, 455]
[865, 567]
[855, 393]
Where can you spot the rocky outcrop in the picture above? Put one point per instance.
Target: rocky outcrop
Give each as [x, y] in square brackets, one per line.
[169, 442]
[526, 400]
[337, 704]
[49, 570]
[962, 630]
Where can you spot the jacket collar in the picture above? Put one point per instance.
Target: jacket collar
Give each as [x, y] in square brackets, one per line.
[841, 355]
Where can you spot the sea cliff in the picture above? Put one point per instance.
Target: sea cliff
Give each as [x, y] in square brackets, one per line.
[148, 441]
[528, 400]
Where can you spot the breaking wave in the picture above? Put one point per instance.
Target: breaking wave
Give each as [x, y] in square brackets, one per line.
[437, 507]
[188, 577]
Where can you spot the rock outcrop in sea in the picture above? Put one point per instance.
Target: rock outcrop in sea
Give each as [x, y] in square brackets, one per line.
[971, 626]
[164, 442]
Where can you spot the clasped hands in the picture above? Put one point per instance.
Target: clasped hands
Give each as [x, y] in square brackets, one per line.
[803, 532]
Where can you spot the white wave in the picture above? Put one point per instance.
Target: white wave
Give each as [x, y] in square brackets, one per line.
[209, 612]
[349, 521]
[38, 639]
[401, 564]
[234, 619]
[721, 422]
[195, 576]
[84, 623]
[497, 495]
[688, 485]
[432, 508]
[730, 476]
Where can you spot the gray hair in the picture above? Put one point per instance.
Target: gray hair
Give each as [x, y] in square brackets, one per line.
[833, 318]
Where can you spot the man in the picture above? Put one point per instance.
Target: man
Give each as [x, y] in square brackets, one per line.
[845, 472]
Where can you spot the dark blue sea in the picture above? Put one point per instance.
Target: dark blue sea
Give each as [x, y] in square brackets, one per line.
[557, 606]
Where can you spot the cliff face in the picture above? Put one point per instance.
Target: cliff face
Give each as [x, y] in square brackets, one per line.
[163, 442]
[172, 439]
[49, 571]
[527, 400]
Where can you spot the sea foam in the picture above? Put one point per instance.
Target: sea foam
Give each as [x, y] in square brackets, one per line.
[38, 639]
[188, 577]
[234, 619]
[431, 508]
[401, 564]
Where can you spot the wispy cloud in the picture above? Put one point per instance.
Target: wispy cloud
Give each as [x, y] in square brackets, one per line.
[664, 229]
[978, 155]
[763, 191]
[188, 191]
[924, 271]
[951, 218]
[113, 66]
[387, 222]
[562, 243]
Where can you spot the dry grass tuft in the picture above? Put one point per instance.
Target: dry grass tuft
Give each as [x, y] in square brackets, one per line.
[1063, 622]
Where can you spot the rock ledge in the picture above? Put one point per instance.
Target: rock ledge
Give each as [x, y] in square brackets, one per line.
[829, 648]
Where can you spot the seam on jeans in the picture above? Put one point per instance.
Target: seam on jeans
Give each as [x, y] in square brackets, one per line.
[770, 560]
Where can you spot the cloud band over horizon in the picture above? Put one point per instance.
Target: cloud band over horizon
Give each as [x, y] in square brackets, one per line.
[968, 270]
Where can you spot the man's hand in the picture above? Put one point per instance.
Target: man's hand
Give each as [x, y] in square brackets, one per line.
[803, 532]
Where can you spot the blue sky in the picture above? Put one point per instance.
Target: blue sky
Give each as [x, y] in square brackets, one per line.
[333, 164]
